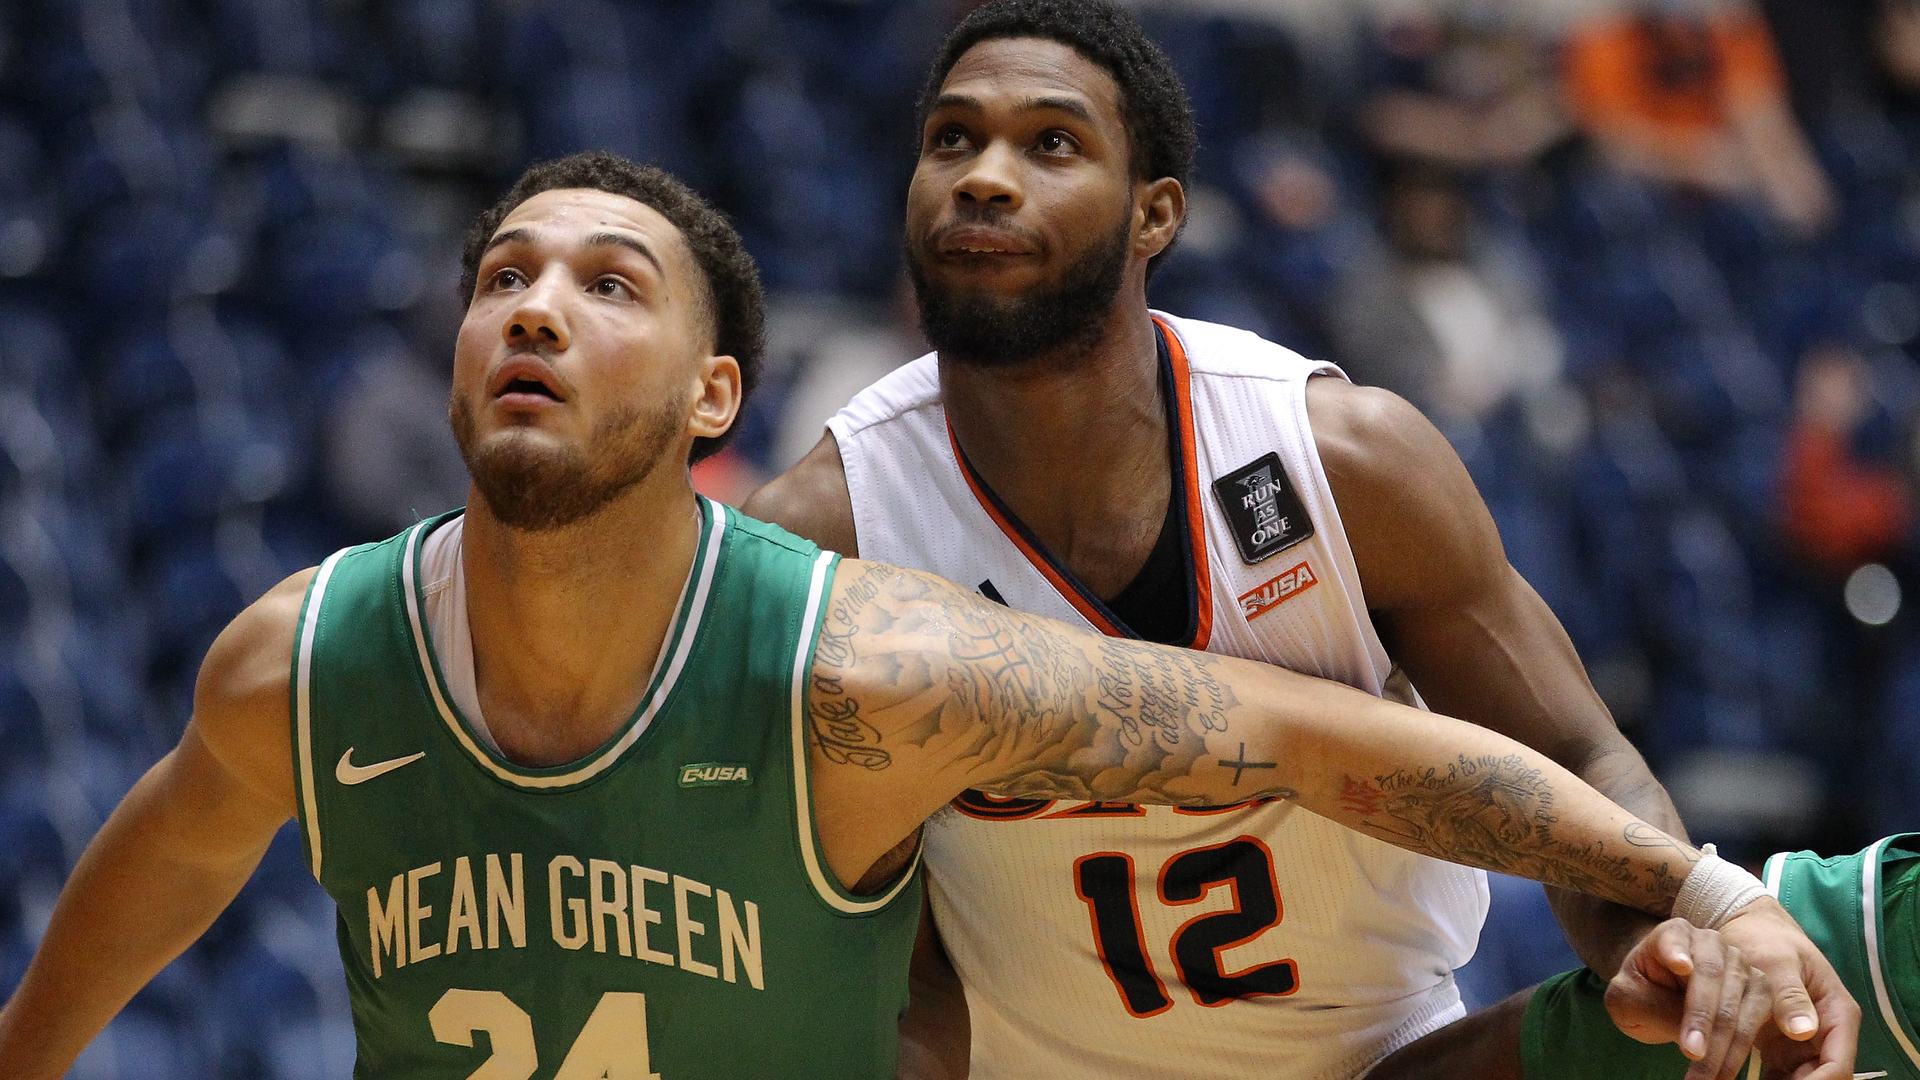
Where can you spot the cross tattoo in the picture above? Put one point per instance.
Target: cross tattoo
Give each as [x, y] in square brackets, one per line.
[1243, 764]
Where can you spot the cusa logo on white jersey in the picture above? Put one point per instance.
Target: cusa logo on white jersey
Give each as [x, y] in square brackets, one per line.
[1275, 591]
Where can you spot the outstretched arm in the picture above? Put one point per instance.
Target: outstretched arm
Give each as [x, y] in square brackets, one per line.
[1480, 644]
[921, 690]
[173, 854]
[1468, 630]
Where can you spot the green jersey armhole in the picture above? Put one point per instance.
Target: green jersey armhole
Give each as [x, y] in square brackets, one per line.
[300, 711]
[826, 886]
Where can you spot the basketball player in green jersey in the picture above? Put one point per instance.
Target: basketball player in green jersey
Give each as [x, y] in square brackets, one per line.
[1859, 909]
[646, 810]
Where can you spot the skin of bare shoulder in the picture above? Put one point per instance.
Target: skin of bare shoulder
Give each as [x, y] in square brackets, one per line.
[1400, 489]
[240, 714]
[811, 500]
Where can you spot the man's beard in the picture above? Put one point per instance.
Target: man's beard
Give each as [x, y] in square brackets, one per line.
[539, 488]
[1066, 319]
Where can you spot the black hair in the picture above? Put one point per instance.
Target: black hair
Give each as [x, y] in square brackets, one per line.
[1153, 103]
[732, 299]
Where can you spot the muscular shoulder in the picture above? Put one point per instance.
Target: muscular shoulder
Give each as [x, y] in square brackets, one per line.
[1363, 432]
[1405, 499]
[240, 701]
[811, 500]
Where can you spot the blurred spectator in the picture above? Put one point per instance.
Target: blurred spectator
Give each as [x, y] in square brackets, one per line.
[1895, 50]
[1897, 41]
[1692, 92]
[1443, 315]
[391, 458]
[1839, 508]
[727, 477]
[845, 353]
[1826, 49]
[1461, 93]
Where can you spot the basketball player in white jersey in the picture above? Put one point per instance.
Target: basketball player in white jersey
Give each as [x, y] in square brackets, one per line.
[1070, 453]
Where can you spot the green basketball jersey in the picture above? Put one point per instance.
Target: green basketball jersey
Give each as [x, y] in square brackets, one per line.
[657, 910]
[1860, 910]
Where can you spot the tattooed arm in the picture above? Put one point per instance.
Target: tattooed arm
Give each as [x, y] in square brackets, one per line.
[920, 690]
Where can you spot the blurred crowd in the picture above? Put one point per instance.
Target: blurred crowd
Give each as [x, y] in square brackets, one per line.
[1653, 266]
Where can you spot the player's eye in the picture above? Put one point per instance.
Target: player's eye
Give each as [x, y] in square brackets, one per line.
[951, 137]
[610, 287]
[508, 278]
[1055, 142]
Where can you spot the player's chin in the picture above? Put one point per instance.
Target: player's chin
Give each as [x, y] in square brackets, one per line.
[987, 272]
[521, 436]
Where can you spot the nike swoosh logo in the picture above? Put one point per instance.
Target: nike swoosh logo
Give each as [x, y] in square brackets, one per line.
[349, 774]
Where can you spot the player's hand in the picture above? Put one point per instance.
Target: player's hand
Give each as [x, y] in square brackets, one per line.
[1809, 1001]
[1689, 986]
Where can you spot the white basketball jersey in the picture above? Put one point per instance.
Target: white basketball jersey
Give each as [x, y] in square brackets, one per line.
[1115, 942]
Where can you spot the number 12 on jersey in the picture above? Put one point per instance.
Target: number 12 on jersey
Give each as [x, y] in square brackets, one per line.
[1105, 881]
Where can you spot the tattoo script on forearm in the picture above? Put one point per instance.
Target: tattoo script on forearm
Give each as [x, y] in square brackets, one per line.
[1498, 812]
[1057, 716]
[905, 660]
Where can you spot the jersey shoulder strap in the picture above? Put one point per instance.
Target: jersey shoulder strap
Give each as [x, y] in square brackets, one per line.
[1213, 349]
[353, 635]
[907, 388]
[1838, 901]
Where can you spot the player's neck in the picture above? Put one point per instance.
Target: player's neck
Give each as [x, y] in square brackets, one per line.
[1076, 449]
[567, 624]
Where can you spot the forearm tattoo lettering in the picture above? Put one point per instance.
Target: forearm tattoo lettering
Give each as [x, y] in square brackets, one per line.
[1497, 812]
[905, 661]
[1093, 719]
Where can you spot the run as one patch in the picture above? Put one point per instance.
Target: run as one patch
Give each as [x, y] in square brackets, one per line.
[1265, 513]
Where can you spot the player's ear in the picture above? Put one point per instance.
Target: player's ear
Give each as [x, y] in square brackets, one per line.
[1159, 207]
[716, 397]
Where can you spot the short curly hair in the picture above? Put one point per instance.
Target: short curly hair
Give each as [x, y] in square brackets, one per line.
[1161, 136]
[732, 299]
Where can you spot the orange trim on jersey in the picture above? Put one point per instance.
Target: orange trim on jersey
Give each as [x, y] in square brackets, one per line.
[1229, 808]
[978, 804]
[1040, 562]
[1100, 809]
[1195, 512]
[1196, 506]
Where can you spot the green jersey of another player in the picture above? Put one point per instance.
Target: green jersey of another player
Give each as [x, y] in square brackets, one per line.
[690, 854]
[657, 907]
[1860, 909]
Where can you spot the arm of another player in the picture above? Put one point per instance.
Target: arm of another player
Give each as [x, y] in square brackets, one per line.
[921, 689]
[1480, 644]
[173, 854]
[811, 500]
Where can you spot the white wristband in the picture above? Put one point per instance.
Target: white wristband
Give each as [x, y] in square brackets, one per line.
[1714, 890]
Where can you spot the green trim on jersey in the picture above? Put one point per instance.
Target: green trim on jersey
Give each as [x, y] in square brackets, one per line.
[1851, 907]
[600, 917]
